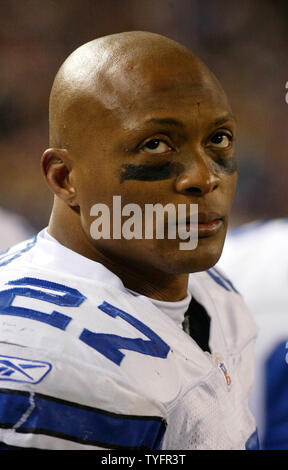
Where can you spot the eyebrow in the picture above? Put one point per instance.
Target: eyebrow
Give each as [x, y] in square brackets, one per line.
[176, 123]
[223, 119]
[166, 121]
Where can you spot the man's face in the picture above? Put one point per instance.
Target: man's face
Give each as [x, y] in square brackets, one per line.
[158, 134]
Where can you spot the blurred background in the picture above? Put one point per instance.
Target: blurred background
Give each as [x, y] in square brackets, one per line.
[243, 43]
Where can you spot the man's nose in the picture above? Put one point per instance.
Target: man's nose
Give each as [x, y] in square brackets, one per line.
[198, 178]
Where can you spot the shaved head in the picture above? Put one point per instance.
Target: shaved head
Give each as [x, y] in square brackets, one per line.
[103, 70]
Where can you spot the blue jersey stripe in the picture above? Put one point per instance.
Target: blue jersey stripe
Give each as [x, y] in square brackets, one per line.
[221, 279]
[253, 442]
[276, 399]
[6, 257]
[74, 422]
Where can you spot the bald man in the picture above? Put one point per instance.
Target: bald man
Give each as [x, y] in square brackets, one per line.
[111, 339]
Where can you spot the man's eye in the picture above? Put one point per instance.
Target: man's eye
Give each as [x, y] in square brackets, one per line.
[156, 146]
[221, 140]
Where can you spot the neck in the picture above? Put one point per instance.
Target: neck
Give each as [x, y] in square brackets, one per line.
[156, 284]
[145, 280]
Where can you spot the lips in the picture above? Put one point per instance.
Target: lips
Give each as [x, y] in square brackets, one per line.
[209, 223]
[207, 217]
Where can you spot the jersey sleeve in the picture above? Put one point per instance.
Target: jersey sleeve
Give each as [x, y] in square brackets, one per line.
[63, 404]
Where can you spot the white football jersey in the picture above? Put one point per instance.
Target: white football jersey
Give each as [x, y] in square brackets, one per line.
[255, 257]
[86, 364]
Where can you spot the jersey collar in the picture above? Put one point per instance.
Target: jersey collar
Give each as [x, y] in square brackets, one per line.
[50, 254]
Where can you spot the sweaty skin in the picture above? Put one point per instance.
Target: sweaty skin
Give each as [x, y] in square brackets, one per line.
[138, 115]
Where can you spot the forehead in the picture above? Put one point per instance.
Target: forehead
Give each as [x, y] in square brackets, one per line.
[123, 94]
[135, 91]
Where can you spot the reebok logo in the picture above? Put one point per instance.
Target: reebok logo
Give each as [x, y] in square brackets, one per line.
[16, 369]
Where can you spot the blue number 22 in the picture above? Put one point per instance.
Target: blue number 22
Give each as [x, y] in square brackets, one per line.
[106, 344]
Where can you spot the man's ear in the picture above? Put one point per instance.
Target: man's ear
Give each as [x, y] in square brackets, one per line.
[56, 167]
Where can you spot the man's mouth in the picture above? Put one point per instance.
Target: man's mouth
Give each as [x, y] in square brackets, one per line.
[209, 223]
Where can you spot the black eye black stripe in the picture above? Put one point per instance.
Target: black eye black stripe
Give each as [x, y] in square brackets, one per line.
[169, 169]
[150, 172]
[224, 165]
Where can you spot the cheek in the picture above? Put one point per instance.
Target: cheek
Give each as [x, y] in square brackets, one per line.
[230, 182]
[230, 186]
[234, 182]
[96, 184]
[144, 192]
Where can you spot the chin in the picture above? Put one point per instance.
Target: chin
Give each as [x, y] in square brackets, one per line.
[203, 257]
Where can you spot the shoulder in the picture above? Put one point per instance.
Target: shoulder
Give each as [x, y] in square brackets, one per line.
[251, 239]
[255, 257]
[62, 384]
[260, 228]
[60, 402]
[216, 292]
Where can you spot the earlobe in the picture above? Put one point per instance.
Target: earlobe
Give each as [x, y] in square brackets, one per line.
[56, 167]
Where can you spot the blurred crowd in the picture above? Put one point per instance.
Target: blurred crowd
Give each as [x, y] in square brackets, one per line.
[244, 43]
